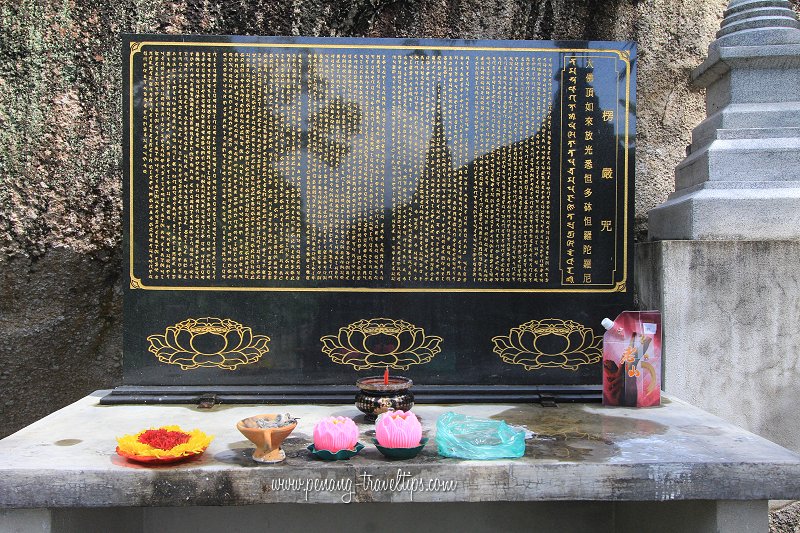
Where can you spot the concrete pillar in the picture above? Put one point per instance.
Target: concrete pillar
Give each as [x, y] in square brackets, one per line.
[697, 516]
[723, 265]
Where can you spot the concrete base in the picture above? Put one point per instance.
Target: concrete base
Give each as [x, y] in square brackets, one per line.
[731, 314]
[585, 468]
[25, 521]
[490, 517]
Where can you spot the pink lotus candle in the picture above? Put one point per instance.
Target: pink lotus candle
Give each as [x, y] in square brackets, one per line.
[398, 429]
[335, 433]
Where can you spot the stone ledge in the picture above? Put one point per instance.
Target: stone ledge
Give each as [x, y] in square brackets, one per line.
[726, 213]
[721, 58]
[581, 452]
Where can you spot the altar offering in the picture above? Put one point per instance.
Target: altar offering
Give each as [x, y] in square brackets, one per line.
[632, 359]
[335, 438]
[398, 429]
[267, 432]
[379, 394]
[399, 435]
[166, 444]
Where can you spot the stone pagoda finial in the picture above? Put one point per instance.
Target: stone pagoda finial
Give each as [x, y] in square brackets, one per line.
[758, 22]
[741, 176]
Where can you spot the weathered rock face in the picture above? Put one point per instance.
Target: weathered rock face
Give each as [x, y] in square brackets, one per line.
[60, 325]
[60, 136]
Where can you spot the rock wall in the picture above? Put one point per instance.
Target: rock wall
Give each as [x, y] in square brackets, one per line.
[60, 134]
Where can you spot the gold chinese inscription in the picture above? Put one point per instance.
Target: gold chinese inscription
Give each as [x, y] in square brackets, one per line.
[512, 183]
[371, 170]
[208, 343]
[381, 343]
[179, 115]
[261, 133]
[346, 167]
[549, 343]
[588, 170]
[429, 174]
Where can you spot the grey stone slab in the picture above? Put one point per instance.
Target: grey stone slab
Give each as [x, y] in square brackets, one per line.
[743, 159]
[758, 23]
[769, 115]
[103, 520]
[25, 521]
[694, 516]
[746, 517]
[484, 517]
[580, 452]
[728, 213]
[720, 60]
[753, 81]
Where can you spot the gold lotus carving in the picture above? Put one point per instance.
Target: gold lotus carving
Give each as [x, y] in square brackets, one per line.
[549, 343]
[381, 343]
[208, 343]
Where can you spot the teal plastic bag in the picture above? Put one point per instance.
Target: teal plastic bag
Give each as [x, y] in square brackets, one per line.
[468, 437]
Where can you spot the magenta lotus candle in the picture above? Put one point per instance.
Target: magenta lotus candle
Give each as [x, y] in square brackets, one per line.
[335, 433]
[398, 429]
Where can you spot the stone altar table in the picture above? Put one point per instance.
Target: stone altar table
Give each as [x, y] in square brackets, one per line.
[586, 468]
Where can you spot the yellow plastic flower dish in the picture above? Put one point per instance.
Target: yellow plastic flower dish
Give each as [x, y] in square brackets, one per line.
[165, 444]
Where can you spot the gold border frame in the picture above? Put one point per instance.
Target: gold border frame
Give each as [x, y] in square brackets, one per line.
[136, 283]
[620, 286]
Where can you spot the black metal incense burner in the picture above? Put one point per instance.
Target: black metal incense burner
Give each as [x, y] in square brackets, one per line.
[376, 396]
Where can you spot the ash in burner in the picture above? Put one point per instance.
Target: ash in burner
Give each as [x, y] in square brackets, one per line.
[265, 423]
